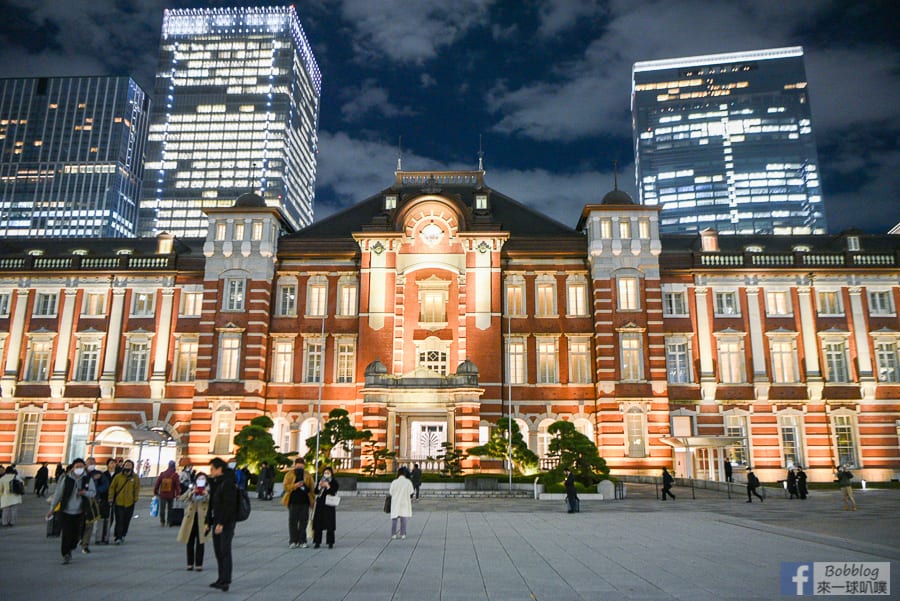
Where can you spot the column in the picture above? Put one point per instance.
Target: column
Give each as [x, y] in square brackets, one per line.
[814, 383]
[16, 334]
[113, 340]
[163, 335]
[760, 379]
[704, 345]
[860, 333]
[61, 361]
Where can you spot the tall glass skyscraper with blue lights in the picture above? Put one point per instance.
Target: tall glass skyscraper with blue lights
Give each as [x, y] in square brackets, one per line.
[71, 156]
[726, 141]
[236, 109]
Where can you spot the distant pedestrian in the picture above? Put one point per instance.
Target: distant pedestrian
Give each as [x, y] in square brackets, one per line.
[69, 496]
[41, 479]
[106, 512]
[416, 478]
[752, 485]
[324, 517]
[193, 531]
[186, 477]
[728, 472]
[60, 471]
[92, 513]
[167, 488]
[265, 481]
[573, 503]
[792, 483]
[845, 482]
[801, 483]
[12, 487]
[146, 470]
[298, 498]
[401, 503]
[222, 517]
[123, 494]
[667, 482]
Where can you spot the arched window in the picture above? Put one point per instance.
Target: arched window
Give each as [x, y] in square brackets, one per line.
[544, 437]
[308, 428]
[585, 426]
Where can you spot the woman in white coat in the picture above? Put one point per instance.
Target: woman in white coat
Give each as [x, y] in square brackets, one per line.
[401, 502]
[9, 500]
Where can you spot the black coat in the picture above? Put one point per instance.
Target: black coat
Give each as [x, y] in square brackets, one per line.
[42, 476]
[801, 484]
[792, 482]
[222, 499]
[324, 517]
[570, 485]
[667, 480]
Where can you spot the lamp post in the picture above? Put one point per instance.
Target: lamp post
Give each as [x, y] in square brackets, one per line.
[321, 383]
[508, 392]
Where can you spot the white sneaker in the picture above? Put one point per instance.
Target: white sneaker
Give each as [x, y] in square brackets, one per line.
[304, 546]
[293, 546]
[402, 536]
[393, 537]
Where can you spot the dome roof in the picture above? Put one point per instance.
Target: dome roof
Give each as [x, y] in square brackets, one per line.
[466, 367]
[617, 197]
[249, 200]
[376, 368]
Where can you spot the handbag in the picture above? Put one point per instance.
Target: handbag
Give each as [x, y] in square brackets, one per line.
[387, 504]
[332, 500]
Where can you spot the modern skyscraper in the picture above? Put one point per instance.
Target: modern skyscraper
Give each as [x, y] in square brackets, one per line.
[237, 108]
[725, 141]
[71, 156]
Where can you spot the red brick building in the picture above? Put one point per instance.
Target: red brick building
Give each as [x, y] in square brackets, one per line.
[438, 305]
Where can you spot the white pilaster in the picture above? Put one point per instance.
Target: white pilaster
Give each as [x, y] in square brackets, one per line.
[757, 348]
[704, 345]
[16, 334]
[814, 383]
[113, 340]
[158, 376]
[860, 330]
[61, 361]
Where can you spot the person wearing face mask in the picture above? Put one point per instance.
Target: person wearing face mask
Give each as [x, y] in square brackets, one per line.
[193, 531]
[298, 498]
[123, 494]
[92, 512]
[324, 518]
[76, 488]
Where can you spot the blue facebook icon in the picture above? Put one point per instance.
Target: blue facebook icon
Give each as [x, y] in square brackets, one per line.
[796, 578]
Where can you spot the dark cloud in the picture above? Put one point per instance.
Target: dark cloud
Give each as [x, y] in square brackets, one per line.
[370, 98]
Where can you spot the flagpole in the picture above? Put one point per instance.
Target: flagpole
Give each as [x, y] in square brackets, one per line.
[509, 391]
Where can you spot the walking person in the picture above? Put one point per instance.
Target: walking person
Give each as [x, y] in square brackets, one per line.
[59, 473]
[401, 503]
[416, 478]
[69, 496]
[802, 490]
[193, 531]
[792, 484]
[106, 512]
[167, 487]
[92, 511]
[752, 485]
[298, 498]
[41, 480]
[123, 494]
[572, 500]
[222, 517]
[12, 488]
[667, 481]
[845, 482]
[324, 518]
[728, 471]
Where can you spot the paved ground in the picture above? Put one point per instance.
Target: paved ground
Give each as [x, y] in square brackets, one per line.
[708, 549]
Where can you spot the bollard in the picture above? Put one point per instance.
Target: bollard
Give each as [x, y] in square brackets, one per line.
[863, 484]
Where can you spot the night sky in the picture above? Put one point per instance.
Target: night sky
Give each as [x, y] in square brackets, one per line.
[546, 83]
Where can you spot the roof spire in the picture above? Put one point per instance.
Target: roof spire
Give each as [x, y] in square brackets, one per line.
[399, 153]
[615, 174]
[480, 155]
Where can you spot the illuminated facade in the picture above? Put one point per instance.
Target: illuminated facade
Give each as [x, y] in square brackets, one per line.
[236, 107]
[438, 305]
[71, 156]
[725, 141]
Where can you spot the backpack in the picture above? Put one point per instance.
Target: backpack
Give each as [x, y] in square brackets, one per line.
[243, 505]
[17, 487]
[165, 486]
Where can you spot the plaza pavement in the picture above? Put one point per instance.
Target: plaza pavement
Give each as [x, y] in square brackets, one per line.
[709, 549]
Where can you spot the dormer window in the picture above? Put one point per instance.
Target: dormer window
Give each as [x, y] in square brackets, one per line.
[390, 202]
[481, 202]
[36, 252]
[853, 243]
[79, 252]
[124, 251]
[801, 248]
[754, 248]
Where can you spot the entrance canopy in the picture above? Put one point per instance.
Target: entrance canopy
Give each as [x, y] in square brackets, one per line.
[705, 442]
[132, 437]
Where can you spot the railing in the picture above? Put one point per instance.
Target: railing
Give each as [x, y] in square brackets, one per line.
[798, 260]
[79, 262]
[548, 463]
[99, 262]
[823, 260]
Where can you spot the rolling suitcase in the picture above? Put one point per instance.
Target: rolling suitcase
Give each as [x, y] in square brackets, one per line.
[54, 526]
[176, 516]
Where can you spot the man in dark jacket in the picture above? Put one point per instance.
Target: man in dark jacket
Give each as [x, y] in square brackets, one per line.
[70, 494]
[41, 478]
[572, 500]
[667, 482]
[416, 478]
[752, 485]
[221, 518]
[167, 488]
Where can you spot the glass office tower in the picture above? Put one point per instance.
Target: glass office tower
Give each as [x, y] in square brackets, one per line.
[236, 109]
[725, 141]
[71, 156]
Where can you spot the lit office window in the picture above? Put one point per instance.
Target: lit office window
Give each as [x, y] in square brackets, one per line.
[576, 298]
[234, 294]
[142, 304]
[137, 359]
[87, 361]
[886, 358]
[347, 294]
[45, 304]
[579, 361]
[186, 360]
[547, 361]
[727, 304]
[283, 361]
[845, 439]
[191, 304]
[37, 364]
[312, 360]
[94, 304]
[628, 294]
[515, 298]
[316, 297]
[632, 356]
[731, 361]
[778, 302]
[346, 361]
[515, 361]
[678, 366]
[287, 300]
[546, 297]
[784, 361]
[836, 368]
[229, 356]
[830, 303]
[881, 303]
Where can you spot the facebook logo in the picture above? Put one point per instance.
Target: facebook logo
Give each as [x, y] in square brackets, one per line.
[796, 578]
